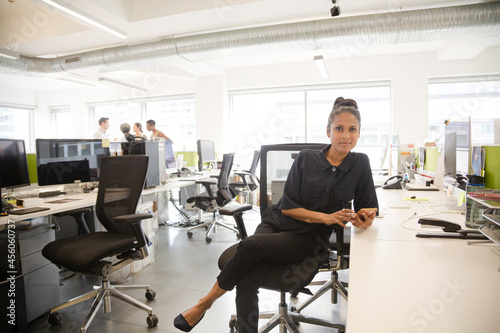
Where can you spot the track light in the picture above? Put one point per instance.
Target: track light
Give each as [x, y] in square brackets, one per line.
[320, 62]
[335, 11]
[69, 9]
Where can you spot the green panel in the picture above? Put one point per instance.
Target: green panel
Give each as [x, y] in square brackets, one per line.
[431, 159]
[492, 167]
[32, 168]
[191, 157]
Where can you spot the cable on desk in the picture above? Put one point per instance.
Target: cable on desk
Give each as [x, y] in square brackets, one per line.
[414, 216]
[182, 212]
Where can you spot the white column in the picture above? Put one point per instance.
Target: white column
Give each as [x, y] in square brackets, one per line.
[212, 111]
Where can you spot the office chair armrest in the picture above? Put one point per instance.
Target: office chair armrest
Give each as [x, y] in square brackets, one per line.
[132, 218]
[208, 183]
[242, 173]
[236, 212]
[135, 222]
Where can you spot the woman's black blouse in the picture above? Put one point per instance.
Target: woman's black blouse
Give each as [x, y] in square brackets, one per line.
[314, 184]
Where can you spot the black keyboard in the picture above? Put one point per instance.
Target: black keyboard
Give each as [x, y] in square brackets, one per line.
[29, 210]
[49, 194]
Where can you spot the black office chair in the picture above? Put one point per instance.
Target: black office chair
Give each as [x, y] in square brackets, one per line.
[211, 202]
[249, 180]
[276, 168]
[120, 186]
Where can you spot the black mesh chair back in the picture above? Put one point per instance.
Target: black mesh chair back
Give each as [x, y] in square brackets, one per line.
[120, 189]
[275, 163]
[120, 185]
[210, 202]
[223, 190]
[253, 168]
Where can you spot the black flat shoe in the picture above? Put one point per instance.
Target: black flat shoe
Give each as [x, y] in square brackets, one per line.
[181, 323]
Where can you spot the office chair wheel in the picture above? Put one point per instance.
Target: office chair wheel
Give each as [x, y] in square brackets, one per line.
[150, 295]
[190, 234]
[208, 240]
[233, 324]
[55, 319]
[152, 320]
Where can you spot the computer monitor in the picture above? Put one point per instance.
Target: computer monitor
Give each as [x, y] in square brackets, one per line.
[206, 153]
[450, 155]
[396, 163]
[13, 164]
[65, 161]
[462, 140]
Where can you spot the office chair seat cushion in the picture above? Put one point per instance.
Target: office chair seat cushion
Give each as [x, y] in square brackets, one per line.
[204, 202]
[84, 252]
[286, 278]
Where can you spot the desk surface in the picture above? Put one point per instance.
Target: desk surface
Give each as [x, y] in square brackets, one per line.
[89, 199]
[403, 284]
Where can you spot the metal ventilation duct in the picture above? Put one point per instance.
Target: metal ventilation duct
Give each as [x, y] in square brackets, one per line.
[448, 23]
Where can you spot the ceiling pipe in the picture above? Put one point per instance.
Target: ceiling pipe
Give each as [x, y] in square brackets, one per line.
[424, 25]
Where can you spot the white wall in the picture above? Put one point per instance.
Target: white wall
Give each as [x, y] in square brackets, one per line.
[409, 74]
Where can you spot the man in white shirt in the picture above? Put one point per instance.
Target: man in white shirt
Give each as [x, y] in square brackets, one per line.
[101, 131]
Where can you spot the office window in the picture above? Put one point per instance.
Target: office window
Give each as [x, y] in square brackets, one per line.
[177, 119]
[17, 123]
[118, 114]
[457, 99]
[61, 122]
[301, 115]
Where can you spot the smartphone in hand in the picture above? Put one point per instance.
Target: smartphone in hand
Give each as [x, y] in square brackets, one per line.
[366, 210]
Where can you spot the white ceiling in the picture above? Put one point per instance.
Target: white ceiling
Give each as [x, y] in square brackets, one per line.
[38, 31]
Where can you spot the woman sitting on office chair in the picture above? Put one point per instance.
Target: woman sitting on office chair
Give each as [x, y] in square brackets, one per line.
[317, 195]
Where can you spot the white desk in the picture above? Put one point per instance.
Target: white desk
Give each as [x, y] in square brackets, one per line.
[402, 284]
[83, 200]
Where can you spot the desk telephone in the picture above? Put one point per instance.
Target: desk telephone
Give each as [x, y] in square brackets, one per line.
[393, 183]
[185, 170]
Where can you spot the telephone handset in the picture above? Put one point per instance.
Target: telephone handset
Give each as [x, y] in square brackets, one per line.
[393, 183]
[185, 170]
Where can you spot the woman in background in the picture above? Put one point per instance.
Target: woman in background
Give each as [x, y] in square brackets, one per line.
[137, 128]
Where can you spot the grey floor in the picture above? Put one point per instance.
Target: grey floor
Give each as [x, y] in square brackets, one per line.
[183, 271]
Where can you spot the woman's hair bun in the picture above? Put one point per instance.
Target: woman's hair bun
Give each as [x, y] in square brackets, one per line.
[346, 102]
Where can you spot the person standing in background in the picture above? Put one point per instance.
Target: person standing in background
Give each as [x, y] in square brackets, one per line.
[101, 131]
[127, 137]
[137, 128]
[150, 125]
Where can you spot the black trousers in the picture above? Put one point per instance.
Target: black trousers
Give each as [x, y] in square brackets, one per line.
[247, 269]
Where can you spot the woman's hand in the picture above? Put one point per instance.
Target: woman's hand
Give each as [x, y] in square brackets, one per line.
[363, 219]
[340, 217]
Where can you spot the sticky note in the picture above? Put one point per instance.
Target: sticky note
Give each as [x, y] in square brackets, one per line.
[461, 199]
[105, 143]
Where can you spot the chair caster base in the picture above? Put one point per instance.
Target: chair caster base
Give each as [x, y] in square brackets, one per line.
[233, 324]
[55, 319]
[190, 234]
[208, 240]
[150, 295]
[152, 320]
